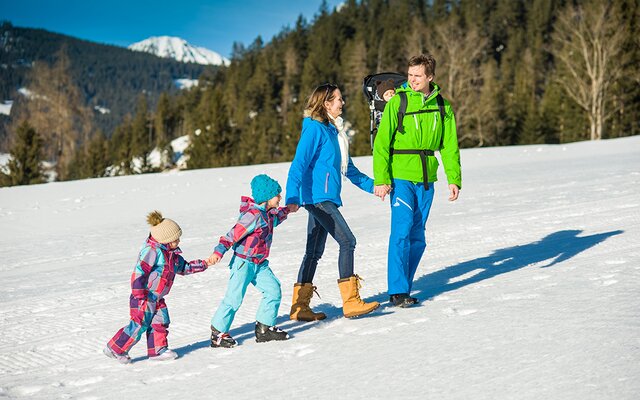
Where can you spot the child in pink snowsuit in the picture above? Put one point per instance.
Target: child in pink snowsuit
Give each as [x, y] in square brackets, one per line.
[158, 263]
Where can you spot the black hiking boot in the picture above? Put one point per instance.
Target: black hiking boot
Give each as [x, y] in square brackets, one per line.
[266, 333]
[219, 339]
[402, 300]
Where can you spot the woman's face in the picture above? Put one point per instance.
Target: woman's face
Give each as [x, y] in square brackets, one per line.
[334, 107]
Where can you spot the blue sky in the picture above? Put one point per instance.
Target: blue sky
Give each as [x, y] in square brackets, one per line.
[212, 24]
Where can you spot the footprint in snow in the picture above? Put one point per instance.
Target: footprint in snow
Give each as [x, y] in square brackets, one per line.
[298, 351]
[604, 280]
[26, 390]
[349, 329]
[157, 379]
[304, 352]
[85, 382]
[452, 312]
[375, 331]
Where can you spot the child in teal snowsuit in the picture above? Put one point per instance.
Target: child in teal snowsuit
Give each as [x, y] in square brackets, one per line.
[250, 239]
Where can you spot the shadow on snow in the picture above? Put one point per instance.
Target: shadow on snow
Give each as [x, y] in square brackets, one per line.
[550, 250]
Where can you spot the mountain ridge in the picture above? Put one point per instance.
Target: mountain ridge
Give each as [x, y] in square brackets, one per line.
[178, 49]
[109, 77]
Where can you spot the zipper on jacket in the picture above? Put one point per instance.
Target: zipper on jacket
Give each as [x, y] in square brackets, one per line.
[326, 184]
[435, 120]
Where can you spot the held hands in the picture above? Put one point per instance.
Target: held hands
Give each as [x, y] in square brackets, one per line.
[381, 191]
[213, 259]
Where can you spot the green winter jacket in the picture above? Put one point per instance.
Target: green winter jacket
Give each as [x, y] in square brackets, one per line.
[422, 131]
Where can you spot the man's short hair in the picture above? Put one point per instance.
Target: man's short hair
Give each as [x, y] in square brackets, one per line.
[427, 61]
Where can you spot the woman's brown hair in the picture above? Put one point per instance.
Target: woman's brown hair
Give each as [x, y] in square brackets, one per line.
[315, 104]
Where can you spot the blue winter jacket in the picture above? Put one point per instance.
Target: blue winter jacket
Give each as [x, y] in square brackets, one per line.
[314, 175]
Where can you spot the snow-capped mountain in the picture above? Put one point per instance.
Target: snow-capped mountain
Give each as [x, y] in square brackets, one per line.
[179, 49]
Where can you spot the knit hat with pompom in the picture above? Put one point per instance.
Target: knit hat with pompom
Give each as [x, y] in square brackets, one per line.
[163, 230]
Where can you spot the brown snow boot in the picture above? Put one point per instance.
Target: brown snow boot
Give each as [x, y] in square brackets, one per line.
[352, 303]
[300, 310]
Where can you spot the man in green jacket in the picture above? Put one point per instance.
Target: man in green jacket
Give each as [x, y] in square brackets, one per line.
[404, 166]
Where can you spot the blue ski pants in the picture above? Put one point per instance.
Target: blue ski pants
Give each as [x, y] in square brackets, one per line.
[410, 205]
[244, 272]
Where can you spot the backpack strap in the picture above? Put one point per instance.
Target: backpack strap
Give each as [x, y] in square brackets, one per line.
[440, 102]
[402, 110]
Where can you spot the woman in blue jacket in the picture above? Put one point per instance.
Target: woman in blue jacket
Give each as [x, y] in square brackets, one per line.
[315, 182]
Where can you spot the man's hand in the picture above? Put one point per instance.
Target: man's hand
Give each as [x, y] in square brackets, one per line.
[455, 191]
[293, 207]
[381, 191]
[213, 259]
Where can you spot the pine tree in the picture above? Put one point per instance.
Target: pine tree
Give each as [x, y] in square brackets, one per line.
[354, 69]
[163, 121]
[120, 150]
[486, 116]
[142, 135]
[97, 160]
[25, 166]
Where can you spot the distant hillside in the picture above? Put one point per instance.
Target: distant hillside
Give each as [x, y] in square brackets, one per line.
[179, 49]
[111, 78]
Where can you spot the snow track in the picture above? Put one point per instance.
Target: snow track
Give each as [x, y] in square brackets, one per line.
[528, 289]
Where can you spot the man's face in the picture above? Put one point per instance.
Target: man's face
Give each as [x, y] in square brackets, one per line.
[418, 79]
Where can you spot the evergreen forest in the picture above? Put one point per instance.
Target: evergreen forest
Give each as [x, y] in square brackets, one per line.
[515, 72]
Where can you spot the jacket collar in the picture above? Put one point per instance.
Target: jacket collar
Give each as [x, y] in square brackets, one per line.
[162, 246]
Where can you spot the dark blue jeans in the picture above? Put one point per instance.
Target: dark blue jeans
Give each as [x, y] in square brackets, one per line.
[325, 218]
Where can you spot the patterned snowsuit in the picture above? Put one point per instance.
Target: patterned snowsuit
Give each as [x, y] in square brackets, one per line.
[151, 281]
[250, 239]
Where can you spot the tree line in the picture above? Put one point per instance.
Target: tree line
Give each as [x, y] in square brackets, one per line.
[515, 71]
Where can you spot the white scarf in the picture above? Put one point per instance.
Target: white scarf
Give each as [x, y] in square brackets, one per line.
[343, 142]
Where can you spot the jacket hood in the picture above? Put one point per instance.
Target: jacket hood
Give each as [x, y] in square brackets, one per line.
[155, 244]
[246, 203]
[307, 121]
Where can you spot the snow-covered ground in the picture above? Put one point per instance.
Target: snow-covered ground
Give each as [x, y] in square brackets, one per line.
[530, 287]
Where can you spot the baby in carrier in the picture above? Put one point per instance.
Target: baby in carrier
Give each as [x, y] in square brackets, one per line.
[385, 90]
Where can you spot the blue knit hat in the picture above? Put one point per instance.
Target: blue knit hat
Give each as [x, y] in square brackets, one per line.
[264, 188]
